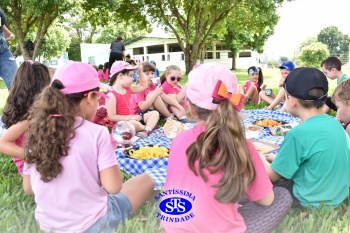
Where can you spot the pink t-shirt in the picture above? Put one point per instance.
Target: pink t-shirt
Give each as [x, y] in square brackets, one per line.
[19, 162]
[141, 96]
[169, 89]
[103, 76]
[125, 103]
[248, 84]
[208, 215]
[74, 200]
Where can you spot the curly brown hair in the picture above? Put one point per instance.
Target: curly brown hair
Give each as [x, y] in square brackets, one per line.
[48, 136]
[222, 146]
[29, 80]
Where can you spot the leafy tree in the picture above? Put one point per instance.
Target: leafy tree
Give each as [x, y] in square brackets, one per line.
[33, 16]
[55, 42]
[335, 40]
[251, 25]
[193, 21]
[313, 54]
[74, 51]
[308, 41]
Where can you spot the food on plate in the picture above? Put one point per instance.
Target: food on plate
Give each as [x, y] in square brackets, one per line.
[148, 152]
[280, 130]
[262, 150]
[253, 128]
[267, 123]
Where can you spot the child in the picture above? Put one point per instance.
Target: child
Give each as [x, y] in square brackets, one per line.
[120, 106]
[156, 72]
[315, 155]
[100, 73]
[251, 87]
[29, 80]
[273, 100]
[341, 98]
[70, 164]
[106, 71]
[331, 67]
[213, 165]
[170, 82]
[153, 98]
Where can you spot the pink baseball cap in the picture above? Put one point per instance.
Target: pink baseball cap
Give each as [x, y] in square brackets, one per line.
[203, 80]
[121, 65]
[77, 77]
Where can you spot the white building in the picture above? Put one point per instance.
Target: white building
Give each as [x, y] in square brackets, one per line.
[165, 51]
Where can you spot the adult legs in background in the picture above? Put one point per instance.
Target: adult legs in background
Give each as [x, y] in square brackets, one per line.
[7, 67]
[112, 59]
[263, 219]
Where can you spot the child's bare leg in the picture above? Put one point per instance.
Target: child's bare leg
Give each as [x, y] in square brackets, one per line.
[138, 126]
[138, 189]
[151, 119]
[266, 98]
[161, 107]
[253, 94]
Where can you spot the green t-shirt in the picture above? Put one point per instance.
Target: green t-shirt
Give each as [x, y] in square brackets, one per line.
[343, 78]
[316, 156]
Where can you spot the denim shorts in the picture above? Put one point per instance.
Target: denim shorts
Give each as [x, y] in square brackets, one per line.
[118, 209]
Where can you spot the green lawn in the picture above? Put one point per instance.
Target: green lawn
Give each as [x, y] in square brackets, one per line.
[17, 209]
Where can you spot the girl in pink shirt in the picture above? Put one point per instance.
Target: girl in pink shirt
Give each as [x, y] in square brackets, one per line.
[70, 164]
[170, 82]
[153, 98]
[120, 106]
[215, 169]
[251, 88]
[29, 80]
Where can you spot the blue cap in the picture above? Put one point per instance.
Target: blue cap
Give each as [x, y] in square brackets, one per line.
[288, 65]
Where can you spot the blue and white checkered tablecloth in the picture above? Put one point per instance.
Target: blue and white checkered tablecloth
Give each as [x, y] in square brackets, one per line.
[252, 115]
[157, 168]
[137, 166]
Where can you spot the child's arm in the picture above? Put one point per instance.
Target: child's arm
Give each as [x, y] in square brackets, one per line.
[151, 97]
[277, 100]
[7, 145]
[181, 95]
[27, 186]
[111, 179]
[143, 83]
[172, 102]
[274, 176]
[267, 200]
[112, 111]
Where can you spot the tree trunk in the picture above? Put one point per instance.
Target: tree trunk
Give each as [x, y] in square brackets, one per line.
[234, 61]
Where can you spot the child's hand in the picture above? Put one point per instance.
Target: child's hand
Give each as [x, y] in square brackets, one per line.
[270, 157]
[136, 117]
[158, 90]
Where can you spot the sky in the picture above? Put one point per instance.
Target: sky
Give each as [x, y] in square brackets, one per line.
[300, 19]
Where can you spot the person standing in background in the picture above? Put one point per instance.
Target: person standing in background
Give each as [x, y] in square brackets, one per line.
[8, 65]
[117, 51]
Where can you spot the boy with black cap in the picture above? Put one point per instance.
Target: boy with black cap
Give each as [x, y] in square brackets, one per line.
[315, 155]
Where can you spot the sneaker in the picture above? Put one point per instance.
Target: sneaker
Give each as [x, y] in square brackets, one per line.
[143, 134]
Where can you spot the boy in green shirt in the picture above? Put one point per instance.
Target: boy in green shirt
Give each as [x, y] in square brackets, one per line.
[314, 155]
[331, 67]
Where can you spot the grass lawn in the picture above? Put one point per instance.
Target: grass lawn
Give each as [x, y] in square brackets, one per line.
[17, 209]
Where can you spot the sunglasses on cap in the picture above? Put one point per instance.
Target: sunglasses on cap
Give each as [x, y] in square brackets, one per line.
[172, 78]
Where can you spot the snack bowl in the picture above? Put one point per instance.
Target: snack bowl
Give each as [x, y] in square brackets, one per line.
[280, 130]
[252, 131]
[268, 123]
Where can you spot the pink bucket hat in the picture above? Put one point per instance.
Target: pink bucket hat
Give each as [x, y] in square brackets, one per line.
[208, 82]
[77, 77]
[121, 65]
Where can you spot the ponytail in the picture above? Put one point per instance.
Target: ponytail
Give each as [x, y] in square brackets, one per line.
[51, 127]
[260, 79]
[222, 146]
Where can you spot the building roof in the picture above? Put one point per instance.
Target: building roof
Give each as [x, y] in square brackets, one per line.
[153, 34]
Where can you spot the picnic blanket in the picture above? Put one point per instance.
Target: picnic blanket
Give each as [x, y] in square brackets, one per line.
[157, 168]
[265, 135]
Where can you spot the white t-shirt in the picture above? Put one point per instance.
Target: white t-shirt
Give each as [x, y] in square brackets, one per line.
[74, 200]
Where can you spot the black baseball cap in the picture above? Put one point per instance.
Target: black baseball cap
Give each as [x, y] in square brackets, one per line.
[301, 80]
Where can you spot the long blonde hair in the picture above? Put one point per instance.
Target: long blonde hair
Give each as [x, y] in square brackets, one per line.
[222, 146]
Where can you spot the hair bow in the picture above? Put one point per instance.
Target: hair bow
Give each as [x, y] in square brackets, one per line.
[220, 93]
